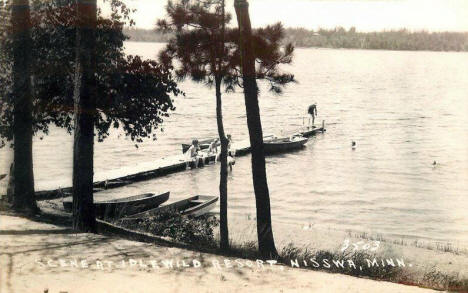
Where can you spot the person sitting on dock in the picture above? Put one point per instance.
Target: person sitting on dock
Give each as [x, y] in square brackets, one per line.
[213, 148]
[192, 153]
[312, 111]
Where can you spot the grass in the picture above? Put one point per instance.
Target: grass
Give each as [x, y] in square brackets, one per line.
[171, 223]
[439, 246]
[433, 278]
[443, 281]
[359, 264]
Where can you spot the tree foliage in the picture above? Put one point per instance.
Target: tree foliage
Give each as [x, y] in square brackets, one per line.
[134, 94]
[386, 40]
[196, 25]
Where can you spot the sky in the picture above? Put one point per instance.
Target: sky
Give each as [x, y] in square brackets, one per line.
[365, 15]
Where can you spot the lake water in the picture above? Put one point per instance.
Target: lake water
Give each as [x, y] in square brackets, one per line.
[405, 110]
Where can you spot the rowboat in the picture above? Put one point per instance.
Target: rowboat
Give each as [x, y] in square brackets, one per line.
[286, 144]
[194, 206]
[126, 206]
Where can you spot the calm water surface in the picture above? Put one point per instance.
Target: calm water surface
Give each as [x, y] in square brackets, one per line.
[404, 110]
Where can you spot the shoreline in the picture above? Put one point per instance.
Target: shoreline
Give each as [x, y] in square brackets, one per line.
[47, 257]
[423, 259]
[337, 48]
[419, 264]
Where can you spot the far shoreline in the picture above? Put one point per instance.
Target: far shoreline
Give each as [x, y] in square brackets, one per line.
[327, 48]
[341, 38]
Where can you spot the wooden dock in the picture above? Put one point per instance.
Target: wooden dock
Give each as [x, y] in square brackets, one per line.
[178, 163]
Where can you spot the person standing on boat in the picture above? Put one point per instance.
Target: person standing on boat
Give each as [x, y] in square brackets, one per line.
[312, 111]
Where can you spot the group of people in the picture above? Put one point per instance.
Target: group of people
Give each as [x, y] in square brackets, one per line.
[194, 154]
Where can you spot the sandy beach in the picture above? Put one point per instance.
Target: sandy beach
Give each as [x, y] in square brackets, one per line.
[425, 262]
[36, 257]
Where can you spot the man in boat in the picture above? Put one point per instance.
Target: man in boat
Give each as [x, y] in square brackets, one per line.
[192, 153]
[312, 110]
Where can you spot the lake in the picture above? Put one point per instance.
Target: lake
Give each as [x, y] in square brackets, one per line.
[405, 110]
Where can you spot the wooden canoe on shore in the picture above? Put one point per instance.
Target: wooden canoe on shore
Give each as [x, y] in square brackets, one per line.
[281, 145]
[126, 206]
[193, 206]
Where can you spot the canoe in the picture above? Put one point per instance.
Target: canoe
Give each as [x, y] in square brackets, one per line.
[194, 206]
[286, 144]
[126, 206]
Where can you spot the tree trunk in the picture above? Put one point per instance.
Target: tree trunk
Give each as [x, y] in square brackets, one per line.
[84, 94]
[223, 226]
[11, 185]
[266, 243]
[223, 191]
[24, 199]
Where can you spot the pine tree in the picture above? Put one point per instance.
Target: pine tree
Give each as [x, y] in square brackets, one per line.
[209, 52]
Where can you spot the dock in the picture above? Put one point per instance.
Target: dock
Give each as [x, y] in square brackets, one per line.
[158, 168]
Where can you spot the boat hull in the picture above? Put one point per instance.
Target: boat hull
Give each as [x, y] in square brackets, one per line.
[125, 206]
[309, 131]
[193, 206]
[284, 145]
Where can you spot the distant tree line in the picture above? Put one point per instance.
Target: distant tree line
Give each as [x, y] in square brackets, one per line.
[147, 35]
[385, 40]
[352, 39]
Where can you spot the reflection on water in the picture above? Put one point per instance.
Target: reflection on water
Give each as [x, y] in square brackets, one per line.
[403, 109]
